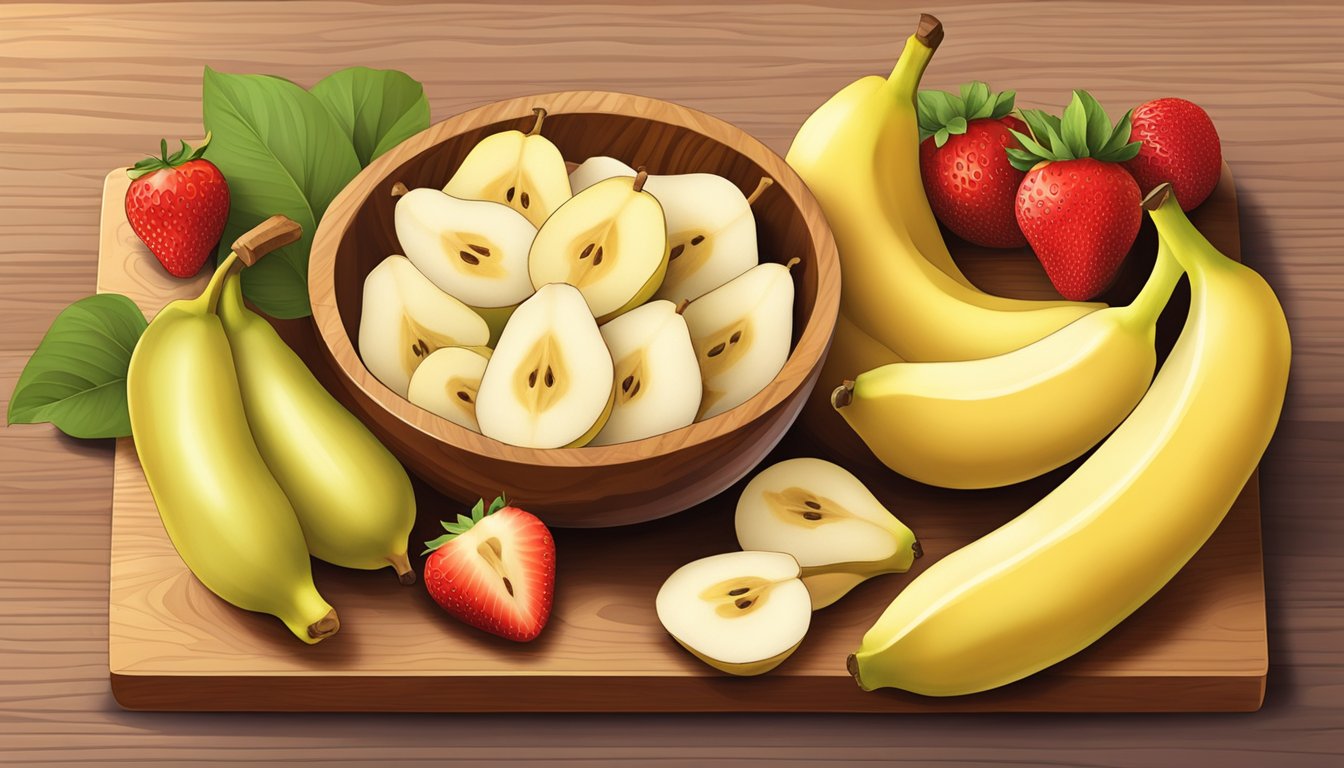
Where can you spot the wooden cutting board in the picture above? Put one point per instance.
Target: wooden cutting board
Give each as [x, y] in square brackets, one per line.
[1199, 645]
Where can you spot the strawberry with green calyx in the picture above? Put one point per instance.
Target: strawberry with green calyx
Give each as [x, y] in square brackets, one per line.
[494, 570]
[1077, 206]
[968, 180]
[177, 205]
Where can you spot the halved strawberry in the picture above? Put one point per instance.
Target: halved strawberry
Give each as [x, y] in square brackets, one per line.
[494, 570]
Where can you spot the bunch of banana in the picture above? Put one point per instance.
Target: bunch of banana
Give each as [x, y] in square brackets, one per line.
[1011, 417]
[859, 154]
[1058, 577]
[252, 464]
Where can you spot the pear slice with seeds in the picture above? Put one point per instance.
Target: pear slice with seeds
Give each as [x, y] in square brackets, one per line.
[447, 381]
[829, 521]
[741, 612]
[609, 241]
[549, 382]
[405, 317]
[742, 331]
[711, 230]
[475, 250]
[657, 377]
[524, 171]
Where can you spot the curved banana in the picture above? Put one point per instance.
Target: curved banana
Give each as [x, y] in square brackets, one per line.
[1066, 571]
[1005, 419]
[859, 154]
[352, 497]
[224, 512]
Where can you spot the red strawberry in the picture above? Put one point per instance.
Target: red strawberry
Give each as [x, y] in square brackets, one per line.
[494, 570]
[178, 206]
[1180, 145]
[967, 177]
[1077, 206]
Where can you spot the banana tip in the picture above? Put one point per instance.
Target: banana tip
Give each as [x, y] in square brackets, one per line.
[324, 627]
[929, 31]
[852, 666]
[1157, 197]
[843, 395]
[918, 549]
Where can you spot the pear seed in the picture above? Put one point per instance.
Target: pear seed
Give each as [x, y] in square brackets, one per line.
[736, 337]
[811, 515]
[463, 396]
[739, 591]
[676, 251]
[508, 196]
[481, 249]
[597, 257]
[716, 350]
[812, 504]
[586, 251]
[698, 239]
[467, 257]
[625, 385]
[743, 604]
[524, 201]
[550, 377]
[532, 379]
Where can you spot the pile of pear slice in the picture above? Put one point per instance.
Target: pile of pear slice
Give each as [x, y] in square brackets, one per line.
[547, 309]
[810, 532]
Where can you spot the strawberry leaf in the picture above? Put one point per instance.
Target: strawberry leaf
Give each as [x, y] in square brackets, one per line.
[1098, 125]
[1127, 152]
[1032, 147]
[1119, 137]
[1021, 160]
[1074, 125]
[434, 544]
[942, 114]
[497, 504]
[1058, 147]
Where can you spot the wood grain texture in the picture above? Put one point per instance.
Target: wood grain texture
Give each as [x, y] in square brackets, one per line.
[592, 486]
[1198, 646]
[76, 99]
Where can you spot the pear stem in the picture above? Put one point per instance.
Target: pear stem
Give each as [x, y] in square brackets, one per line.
[540, 112]
[399, 189]
[641, 176]
[843, 395]
[761, 186]
[791, 263]
[683, 305]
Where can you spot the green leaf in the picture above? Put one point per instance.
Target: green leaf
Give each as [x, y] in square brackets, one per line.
[478, 509]
[377, 108]
[939, 108]
[1021, 160]
[1003, 104]
[1038, 121]
[1074, 125]
[76, 379]
[926, 110]
[464, 521]
[940, 137]
[1119, 136]
[439, 542]
[1059, 150]
[978, 101]
[1127, 152]
[956, 125]
[1098, 125]
[496, 505]
[281, 152]
[1031, 146]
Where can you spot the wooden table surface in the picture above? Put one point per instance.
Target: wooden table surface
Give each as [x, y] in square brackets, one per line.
[86, 87]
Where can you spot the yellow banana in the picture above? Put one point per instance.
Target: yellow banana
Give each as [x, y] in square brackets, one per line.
[1005, 419]
[352, 497]
[224, 512]
[859, 154]
[1066, 571]
[852, 352]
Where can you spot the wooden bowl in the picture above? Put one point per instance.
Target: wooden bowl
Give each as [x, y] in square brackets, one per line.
[592, 486]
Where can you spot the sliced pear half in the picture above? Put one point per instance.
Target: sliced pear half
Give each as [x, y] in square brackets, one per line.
[741, 332]
[447, 381]
[405, 317]
[657, 377]
[549, 382]
[475, 250]
[711, 232]
[524, 171]
[829, 521]
[609, 241]
[741, 612]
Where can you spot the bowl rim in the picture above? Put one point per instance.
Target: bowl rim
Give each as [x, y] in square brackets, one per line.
[800, 366]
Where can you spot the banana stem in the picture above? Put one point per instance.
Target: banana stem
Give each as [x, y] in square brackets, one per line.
[216, 286]
[1191, 248]
[915, 58]
[1155, 293]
